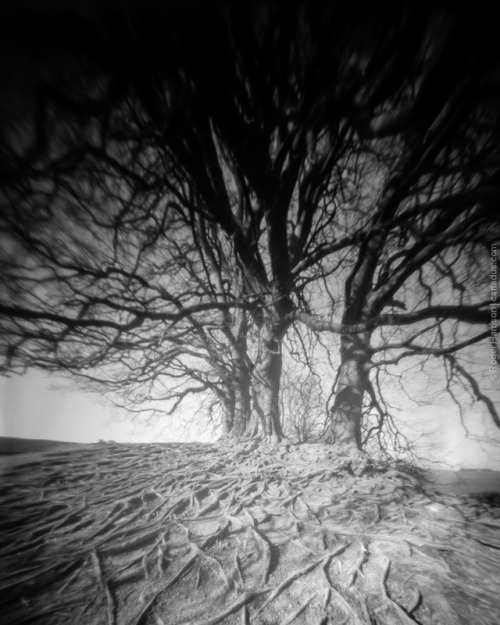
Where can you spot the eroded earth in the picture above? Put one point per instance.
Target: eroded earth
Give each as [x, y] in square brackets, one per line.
[237, 533]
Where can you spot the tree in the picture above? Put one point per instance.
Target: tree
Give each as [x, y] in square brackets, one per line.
[111, 268]
[319, 147]
[302, 406]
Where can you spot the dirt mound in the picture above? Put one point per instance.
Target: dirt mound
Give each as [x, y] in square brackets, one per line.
[237, 533]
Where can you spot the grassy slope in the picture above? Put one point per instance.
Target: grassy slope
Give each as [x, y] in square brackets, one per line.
[12, 445]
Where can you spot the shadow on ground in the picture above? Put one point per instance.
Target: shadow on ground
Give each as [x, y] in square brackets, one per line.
[234, 534]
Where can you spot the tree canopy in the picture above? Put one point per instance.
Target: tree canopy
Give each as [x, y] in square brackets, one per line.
[182, 196]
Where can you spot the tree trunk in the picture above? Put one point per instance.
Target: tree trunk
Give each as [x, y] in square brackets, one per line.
[266, 386]
[243, 425]
[344, 425]
[225, 427]
[226, 402]
[238, 420]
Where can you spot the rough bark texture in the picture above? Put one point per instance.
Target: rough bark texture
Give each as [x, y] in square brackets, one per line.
[344, 428]
[242, 423]
[266, 387]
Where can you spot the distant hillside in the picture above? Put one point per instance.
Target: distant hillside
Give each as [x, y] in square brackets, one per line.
[11, 445]
[466, 480]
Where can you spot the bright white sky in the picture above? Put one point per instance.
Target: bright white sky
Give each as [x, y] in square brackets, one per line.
[37, 406]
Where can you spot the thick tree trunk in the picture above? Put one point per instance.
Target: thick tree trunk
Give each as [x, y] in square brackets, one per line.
[344, 426]
[243, 425]
[238, 420]
[266, 386]
[226, 403]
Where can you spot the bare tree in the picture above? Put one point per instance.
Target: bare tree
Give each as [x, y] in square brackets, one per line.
[346, 159]
[99, 260]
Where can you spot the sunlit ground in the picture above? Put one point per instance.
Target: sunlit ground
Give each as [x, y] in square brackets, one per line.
[43, 407]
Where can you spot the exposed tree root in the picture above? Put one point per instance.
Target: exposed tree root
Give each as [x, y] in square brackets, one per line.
[240, 534]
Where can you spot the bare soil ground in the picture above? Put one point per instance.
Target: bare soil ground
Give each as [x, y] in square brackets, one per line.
[234, 534]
